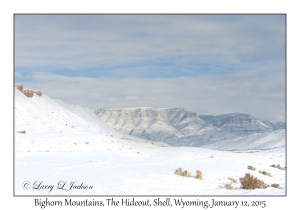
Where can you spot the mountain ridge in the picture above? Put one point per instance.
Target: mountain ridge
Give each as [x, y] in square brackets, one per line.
[181, 127]
[173, 126]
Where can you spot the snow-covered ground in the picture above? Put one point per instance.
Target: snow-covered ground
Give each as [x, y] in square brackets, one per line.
[65, 144]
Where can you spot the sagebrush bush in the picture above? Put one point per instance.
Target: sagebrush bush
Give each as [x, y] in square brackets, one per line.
[276, 186]
[228, 186]
[277, 166]
[265, 173]
[198, 175]
[250, 182]
[251, 168]
[182, 172]
[232, 179]
[186, 173]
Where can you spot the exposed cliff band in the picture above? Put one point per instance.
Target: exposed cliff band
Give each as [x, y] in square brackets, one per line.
[28, 92]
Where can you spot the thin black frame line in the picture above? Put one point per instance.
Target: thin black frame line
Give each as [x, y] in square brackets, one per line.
[150, 14]
[14, 82]
[286, 154]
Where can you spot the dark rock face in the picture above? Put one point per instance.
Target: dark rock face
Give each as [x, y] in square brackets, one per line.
[39, 93]
[19, 87]
[29, 93]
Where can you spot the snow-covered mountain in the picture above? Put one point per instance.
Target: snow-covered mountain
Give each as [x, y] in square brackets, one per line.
[181, 127]
[275, 125]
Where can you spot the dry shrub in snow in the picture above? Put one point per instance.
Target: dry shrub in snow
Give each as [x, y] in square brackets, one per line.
[198, 175]
[276, 186]
[227, 186]
[277, 166]
[186, 173]
[280, 168]
[182, 172]
[265, 173]
[232, 179]
[250, 182]
[251, 168]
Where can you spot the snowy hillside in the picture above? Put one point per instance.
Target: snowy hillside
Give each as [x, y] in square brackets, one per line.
[43, 110]
[38, 113]
[58, 143]
[180, 127]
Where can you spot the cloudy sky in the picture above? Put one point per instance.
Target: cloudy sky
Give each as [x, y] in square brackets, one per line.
[209, 64]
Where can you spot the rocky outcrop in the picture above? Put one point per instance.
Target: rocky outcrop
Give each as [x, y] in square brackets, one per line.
[28, 92]
[19, 87]
[39, 93]
[22, 132]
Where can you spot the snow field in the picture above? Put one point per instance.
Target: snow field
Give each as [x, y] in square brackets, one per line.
[115, 166]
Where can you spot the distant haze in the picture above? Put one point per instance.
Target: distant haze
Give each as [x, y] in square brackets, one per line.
[209, 64]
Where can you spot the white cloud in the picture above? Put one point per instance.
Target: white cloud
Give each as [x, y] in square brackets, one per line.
[18, 75]
[82, 42]
[113, 99]
[246, 92]
[132, 98]
[243, 60]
